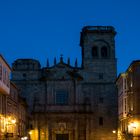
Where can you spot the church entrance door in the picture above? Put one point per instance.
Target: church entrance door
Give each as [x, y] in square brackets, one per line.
[62, 136]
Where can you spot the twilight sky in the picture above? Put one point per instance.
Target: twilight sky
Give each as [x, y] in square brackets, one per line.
[44, 29]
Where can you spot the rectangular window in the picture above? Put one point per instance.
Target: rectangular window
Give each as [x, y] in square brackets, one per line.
[101, 121]
[3, 104]
[125, 105]
[101, 76]
[101, 100]
[4, 75]
[61, 97]
[0, 71]
[125, 84]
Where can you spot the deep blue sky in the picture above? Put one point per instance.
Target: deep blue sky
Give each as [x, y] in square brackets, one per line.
[44, 29]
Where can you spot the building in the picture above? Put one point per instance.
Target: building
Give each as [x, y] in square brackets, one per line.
[128, 103]
[70, 102]
[11, 106]
[4, 92]
[12, 113]
[16, 115]
[23, 119]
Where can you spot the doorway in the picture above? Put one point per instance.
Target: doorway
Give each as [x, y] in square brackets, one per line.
[62, 136]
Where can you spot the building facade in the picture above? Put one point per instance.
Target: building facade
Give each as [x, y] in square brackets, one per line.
[4, 92]
[73, 103]
[16, 116]
[10, 106]
[12, 113]
[128, 103]
[23, 121]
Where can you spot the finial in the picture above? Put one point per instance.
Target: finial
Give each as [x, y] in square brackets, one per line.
[55, 61]
[68, 61]
[61, 58]
[47, 62]
[76, 64]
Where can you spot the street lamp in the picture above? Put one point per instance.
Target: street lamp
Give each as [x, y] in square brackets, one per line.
[134, 124]
[133, 128]
[13, 121]
[114, 134]
[114, 131]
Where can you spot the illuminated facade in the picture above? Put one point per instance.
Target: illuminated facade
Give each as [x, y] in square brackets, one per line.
[16, 114]
[11, 106]
[4, 91]
[70, 102]
[129, 103]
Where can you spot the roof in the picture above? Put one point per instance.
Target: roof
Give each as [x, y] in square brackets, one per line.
[5, 61]
[133, 63]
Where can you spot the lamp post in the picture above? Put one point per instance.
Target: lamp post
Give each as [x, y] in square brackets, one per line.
[115, 133]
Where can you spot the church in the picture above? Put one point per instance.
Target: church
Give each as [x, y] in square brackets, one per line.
[70, 102]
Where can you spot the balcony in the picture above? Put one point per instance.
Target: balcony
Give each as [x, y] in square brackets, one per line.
[4, 88]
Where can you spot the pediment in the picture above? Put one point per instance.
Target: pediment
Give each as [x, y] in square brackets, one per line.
[62, 66]
[61, 71]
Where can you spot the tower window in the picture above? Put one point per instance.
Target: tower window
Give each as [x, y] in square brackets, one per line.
[101, 121]
[104, 52]
[95, 51]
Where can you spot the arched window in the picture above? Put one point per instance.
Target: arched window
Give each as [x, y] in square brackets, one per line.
[104, 51]
[94, 51]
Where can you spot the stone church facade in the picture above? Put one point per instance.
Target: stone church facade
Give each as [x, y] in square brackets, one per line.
[73, 103]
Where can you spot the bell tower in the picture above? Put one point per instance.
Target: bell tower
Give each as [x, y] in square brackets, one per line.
[98, 51]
